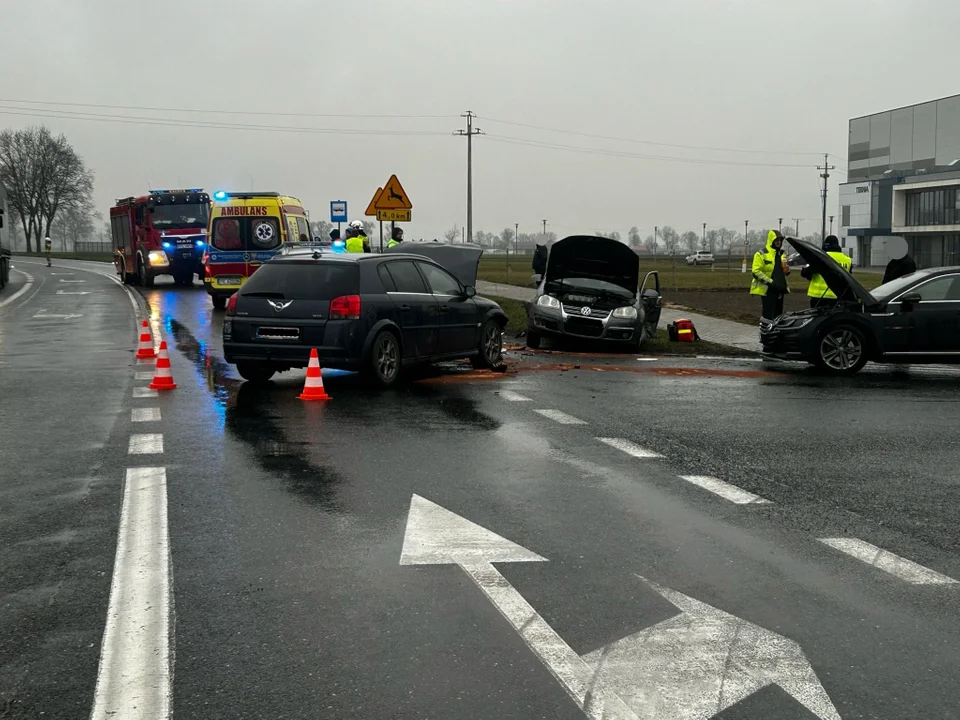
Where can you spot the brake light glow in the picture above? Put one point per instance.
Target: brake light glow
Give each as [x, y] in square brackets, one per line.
[345, 307]
[232, 305]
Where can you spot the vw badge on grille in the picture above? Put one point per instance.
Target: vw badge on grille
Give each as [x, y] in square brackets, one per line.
[585, 310]
[280, 305]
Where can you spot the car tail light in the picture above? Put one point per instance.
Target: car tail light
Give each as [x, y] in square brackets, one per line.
[232, 305]
[345, 307]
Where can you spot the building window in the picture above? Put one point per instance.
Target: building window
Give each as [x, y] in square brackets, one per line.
[845, 215]
[933, 207]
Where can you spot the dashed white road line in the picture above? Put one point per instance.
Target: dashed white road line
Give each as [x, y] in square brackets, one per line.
[629, 448]
[144, 375]
[560, 417]
[146, 444]
[512, 396]
[145, 415]
[133, 680]
[72, 281]
[144, 392]
[888, 562]
[725, 490]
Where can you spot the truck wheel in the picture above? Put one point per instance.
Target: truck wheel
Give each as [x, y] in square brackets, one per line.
[255, 373]
[144, 279]
[219, 302]
[3, 274]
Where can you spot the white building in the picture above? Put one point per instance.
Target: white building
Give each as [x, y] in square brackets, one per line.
[903, 177]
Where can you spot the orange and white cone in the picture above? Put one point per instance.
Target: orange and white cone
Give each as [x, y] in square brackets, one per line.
[162, 377]
[313, 386]
[145, 349]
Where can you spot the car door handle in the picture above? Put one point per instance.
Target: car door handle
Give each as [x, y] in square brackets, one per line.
[405, 308]
[444, 308]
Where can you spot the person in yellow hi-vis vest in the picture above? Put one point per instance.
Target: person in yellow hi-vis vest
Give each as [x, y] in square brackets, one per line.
[770, 270]
[357, 241]
[47, 249]
[819, 292]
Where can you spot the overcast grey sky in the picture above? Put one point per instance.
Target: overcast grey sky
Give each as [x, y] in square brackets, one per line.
[776, 75]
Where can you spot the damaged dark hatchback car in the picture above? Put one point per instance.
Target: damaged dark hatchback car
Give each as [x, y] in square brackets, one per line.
[913, 319]
[589, 291]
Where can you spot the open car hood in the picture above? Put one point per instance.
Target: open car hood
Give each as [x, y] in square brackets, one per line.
[461, 260]
[843, 284]
[597, 258]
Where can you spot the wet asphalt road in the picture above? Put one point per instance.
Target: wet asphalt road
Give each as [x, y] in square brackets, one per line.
[287, 522]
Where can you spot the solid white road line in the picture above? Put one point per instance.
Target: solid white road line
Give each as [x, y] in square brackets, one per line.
[143, 375]
[629, 448]
[145, 415]
[133, 680]
[725, 490]
[560, 417]
[21, 291]
[888, 562]
[146, 444]
[142, 392]
[511, 396]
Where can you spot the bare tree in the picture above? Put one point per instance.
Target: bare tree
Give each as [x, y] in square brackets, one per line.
[670, 238]
[74, 224]
[452, 234]
[322, 228]
[691, 240]
[634, 236]
[44, 176]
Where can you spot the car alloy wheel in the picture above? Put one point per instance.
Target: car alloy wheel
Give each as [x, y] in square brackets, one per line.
[386, 358]
[842, 350]
[491, 343]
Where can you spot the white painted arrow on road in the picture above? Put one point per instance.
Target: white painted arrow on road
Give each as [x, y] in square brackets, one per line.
[436, 536]
[690, 667]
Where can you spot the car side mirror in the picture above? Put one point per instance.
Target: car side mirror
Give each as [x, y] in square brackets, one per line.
[470, 291]
[909, 300]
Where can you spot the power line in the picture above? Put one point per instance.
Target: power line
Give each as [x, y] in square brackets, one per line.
[173, 122]
[649, 142]
[639, 156]
[145, 108]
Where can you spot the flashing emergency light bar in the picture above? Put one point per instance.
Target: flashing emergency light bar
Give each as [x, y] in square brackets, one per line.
[222, 195]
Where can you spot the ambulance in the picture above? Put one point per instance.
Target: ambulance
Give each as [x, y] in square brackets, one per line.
[247, 229]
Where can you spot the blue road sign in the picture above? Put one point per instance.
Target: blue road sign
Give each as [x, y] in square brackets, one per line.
[338, 211]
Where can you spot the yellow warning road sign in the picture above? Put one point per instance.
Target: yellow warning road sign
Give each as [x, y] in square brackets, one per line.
[372, 207]
[393, 197]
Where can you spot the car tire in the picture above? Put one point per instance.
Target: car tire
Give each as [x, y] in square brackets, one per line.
[385, 358]
[534, 340]
[841, 350]
[219, 302]
[491, 346]
[3, 274]
[256, 373]
[183, 279]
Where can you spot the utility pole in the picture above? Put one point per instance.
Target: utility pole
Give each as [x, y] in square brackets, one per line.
[826, 177]
[831, 224]
[655, 228]
[780, 225]
[703, 238]
[516, 238]
[544, 230]
[797, 221]
[746, 244]
[469, 133]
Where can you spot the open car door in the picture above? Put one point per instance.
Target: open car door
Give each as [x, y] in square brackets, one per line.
[652, 302]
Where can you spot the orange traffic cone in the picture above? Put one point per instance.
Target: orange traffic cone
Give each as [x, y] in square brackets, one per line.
[313, 386]
[162, 377]
[145, 349]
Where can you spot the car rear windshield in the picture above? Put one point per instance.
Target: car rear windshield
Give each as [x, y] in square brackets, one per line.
[308, 281]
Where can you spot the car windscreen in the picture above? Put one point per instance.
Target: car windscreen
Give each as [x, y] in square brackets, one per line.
[249, 233]
[588, 284]
[309, 280]
[174, 216]
[889, 290]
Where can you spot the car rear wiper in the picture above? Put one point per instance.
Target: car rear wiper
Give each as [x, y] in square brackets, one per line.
[264, 294]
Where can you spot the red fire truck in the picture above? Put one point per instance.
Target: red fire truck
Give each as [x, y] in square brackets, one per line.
[163, 233]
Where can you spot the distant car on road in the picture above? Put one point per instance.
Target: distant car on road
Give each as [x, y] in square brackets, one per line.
[376, 313]
[914, 319]
[590, 292]
[700, 257]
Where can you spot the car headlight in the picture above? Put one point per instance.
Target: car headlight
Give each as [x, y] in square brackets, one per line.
[548, 301]
[629, 312]
[158, 257]
[794, 323]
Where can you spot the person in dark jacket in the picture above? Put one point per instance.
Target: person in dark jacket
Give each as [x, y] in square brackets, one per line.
[540, 260]
[901, 264]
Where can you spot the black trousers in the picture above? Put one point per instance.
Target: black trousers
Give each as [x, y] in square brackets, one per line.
[771, 305]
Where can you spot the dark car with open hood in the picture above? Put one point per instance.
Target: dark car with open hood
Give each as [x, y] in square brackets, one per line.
[590, 291]
[914, 319]
[368, 312]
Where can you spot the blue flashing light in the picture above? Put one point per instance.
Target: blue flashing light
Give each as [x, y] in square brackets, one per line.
[220, 195]
[167, 245]
[200, 243]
